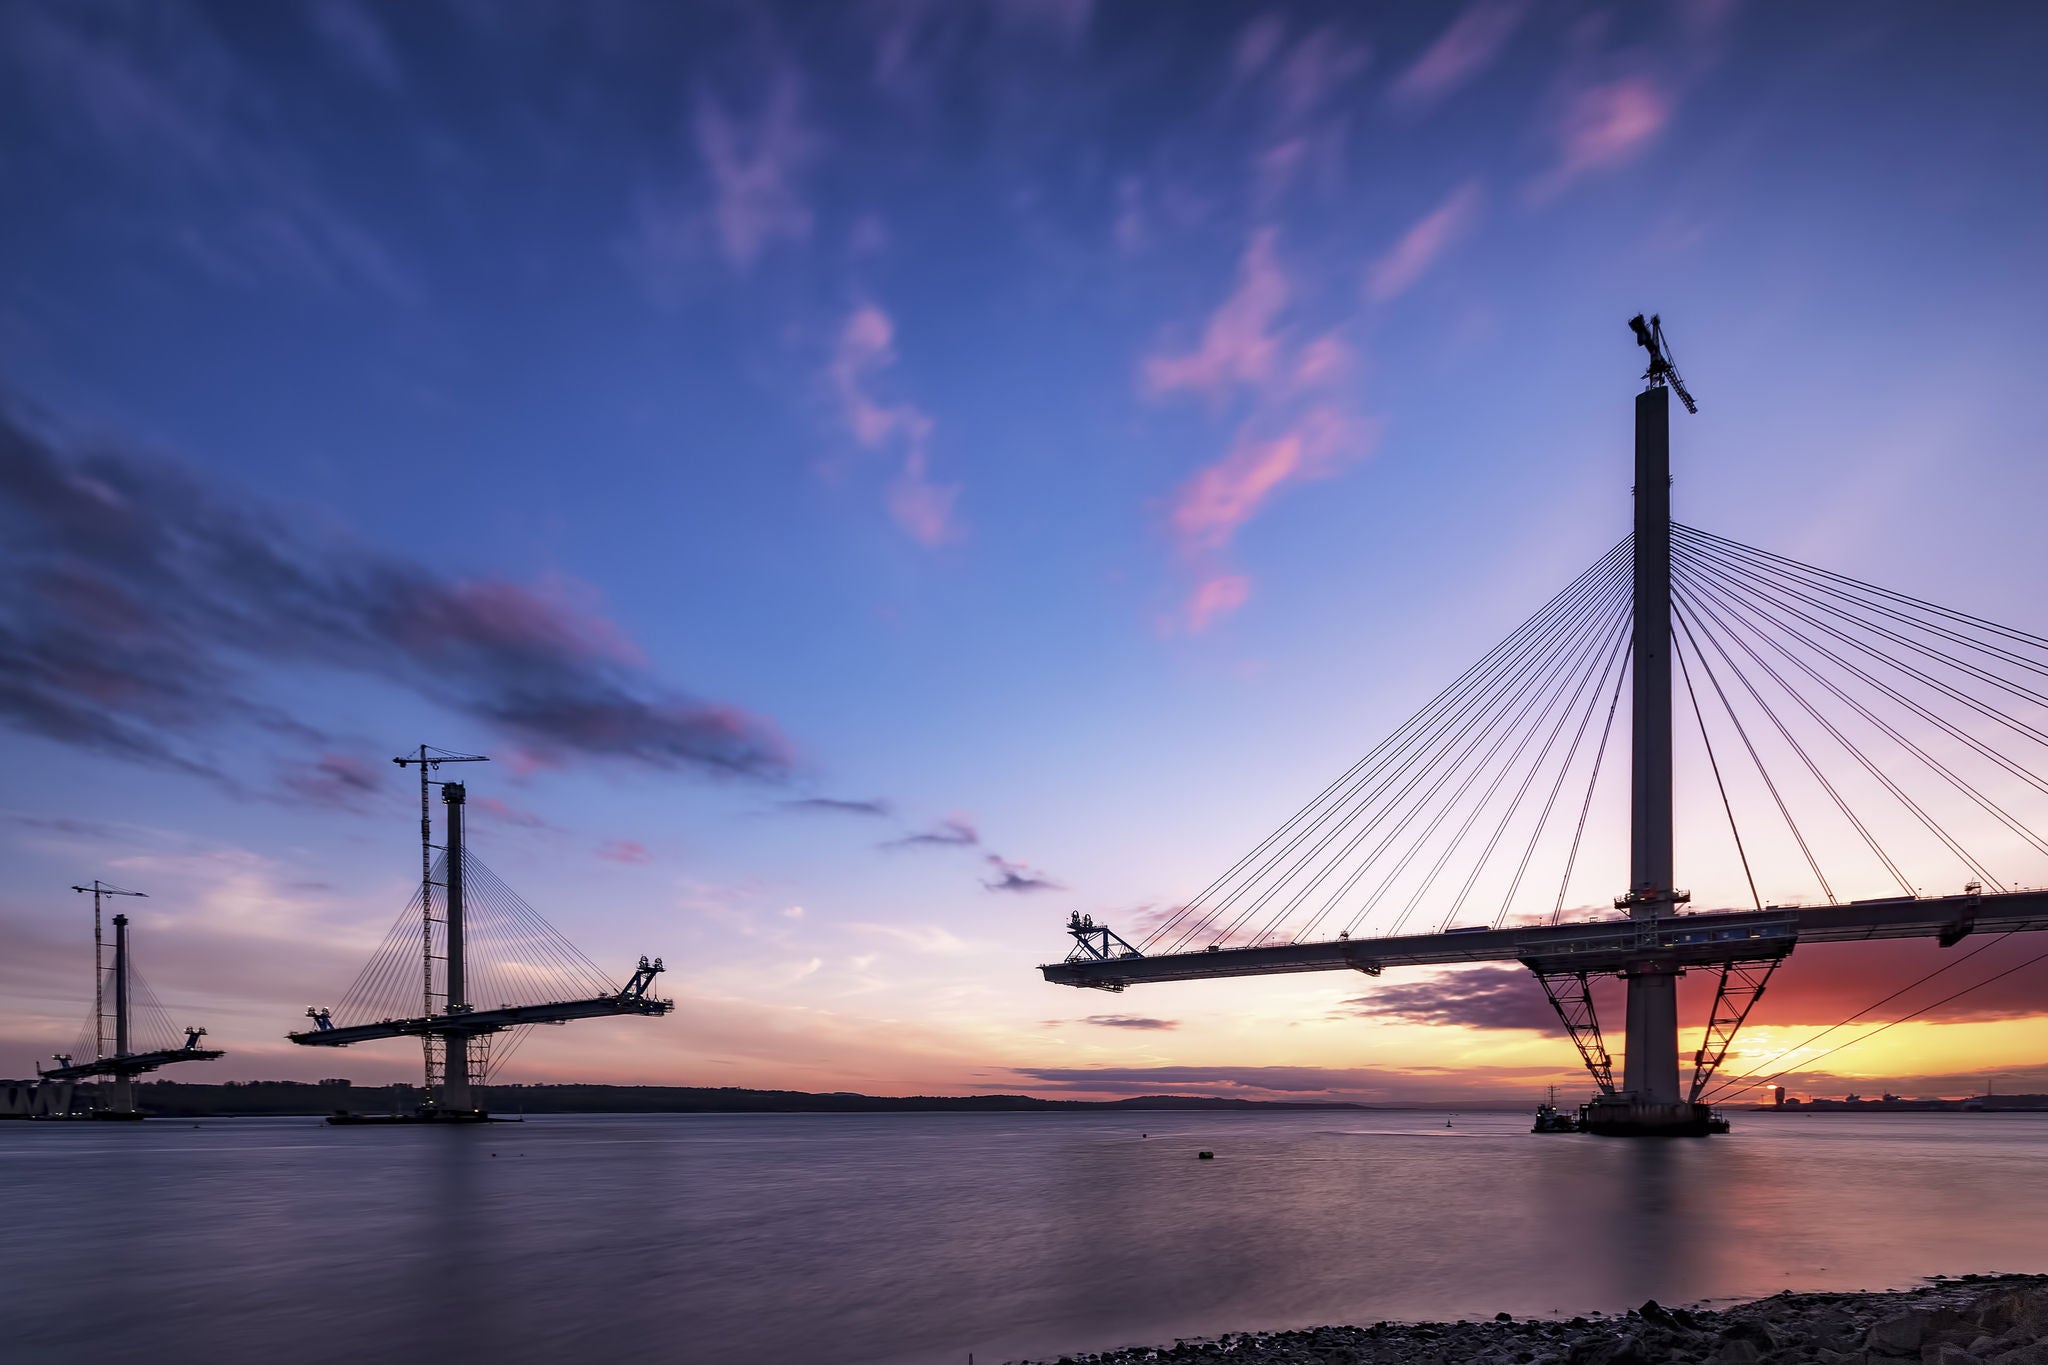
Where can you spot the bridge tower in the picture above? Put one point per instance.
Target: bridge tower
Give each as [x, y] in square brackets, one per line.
[1649, 1100]
[455, 1073]
[118, 1069]
[122, 1101]
[456, 1036]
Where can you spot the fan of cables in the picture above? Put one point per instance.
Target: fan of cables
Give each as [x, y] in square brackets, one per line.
[1454, 813]
[512, 956]
[1834, 740]
[150, 1025]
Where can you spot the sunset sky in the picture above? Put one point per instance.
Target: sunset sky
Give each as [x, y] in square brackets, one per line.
[878, 478]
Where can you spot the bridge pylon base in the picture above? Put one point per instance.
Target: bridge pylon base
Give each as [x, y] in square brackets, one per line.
[343, 1118]
[1626, 1116]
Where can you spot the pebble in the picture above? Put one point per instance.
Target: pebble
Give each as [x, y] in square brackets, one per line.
[1971, 1320]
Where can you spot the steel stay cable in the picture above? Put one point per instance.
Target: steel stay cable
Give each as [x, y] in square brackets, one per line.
[1482, 694]
[1534, 683]
[1618, 630]
[1884, 779]
[1908, 1018]
[1330, 903]
[509, 935]
[1498, 690]
[1398, 739]
[1980, 707]
[1683, 616]
[1500, 706]
[1588, 653]
[1989, 806]
[1706, 610]
[1614, 657]
[1545, 687]
[1715, 765]
[1977, 704]
[1571, 861]
[1473, 677]
[545, 935]
[1733, 1083]
[1790, 567]
[408, 923]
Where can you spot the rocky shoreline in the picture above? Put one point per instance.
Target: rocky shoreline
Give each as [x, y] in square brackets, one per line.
[1970, 1320]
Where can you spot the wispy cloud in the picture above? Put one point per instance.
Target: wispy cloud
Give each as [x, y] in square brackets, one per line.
[1475, 39]
[866, 348]
[1602, 126]
[169, 103]
[1293, 428]
[1419, 248]
[837, 805]
[506, 813]
[1011, 876]
[1216, 597]
[1294, 89]
[1130, 1021]
[1238, 345]
[1211, 506]
[955, 831]
[139, 607]
[756, 163]
[628, 851]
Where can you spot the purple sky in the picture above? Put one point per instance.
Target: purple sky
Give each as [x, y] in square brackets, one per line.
[879, 477]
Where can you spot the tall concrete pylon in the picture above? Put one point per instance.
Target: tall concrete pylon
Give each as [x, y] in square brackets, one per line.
[1650, 1059]
[456, 1094]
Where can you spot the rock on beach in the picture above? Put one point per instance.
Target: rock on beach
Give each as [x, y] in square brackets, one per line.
[1971, 1320]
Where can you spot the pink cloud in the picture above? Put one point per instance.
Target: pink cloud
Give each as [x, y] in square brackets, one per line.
[1604, 126]
[1238, 344]
[924, 509]
[506, 812]
[625, 851]
[1296, 425]
[1470, 45]
[1211, 506]
[755, 169]
[1322, 363]
[560, 618]
[1215, 597]
[1419, 247]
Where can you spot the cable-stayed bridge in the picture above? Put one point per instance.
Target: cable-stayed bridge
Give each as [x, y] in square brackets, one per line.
[144, 1038]
[472, 980]
[1859, 764]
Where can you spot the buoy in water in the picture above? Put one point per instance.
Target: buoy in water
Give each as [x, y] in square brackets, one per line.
[1205, 1156]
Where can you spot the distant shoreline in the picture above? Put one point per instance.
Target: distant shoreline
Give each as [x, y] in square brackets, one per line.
[282, 1099]
[176, 1099]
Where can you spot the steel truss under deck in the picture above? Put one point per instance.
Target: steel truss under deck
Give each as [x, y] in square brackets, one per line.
[1571, 995]
[1740, 987]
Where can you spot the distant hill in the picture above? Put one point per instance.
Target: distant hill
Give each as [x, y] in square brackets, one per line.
[178, 1099]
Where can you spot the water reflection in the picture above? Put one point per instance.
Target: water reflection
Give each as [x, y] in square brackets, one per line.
[902, 1239]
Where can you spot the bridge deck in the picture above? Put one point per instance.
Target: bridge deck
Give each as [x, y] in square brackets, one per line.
[483, 1021]
[131, 1064]
[1595, 945]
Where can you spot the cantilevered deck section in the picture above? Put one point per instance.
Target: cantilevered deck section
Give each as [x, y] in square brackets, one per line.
[1706, 938]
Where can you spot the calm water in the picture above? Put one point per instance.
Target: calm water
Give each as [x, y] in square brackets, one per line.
[912, 1238]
